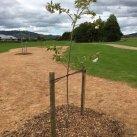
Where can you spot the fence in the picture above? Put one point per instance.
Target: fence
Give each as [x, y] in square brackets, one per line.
[52, 81]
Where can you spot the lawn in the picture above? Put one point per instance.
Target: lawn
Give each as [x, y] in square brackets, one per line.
[6, 46]
[115, 64]
[128, 42]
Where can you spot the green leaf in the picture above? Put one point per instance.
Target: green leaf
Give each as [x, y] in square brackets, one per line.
[94, 0]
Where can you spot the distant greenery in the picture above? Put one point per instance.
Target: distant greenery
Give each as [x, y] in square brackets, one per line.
[128, 42]
[65, 36]
[111, 29]
[97, 31]
[6, 46]
[115, 64]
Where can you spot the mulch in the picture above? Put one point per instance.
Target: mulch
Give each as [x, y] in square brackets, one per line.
[91, 124]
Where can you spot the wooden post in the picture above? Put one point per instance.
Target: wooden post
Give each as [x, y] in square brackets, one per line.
[83, 89]
[52, 104]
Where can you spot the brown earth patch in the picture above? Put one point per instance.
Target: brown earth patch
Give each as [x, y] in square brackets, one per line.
[24, 90]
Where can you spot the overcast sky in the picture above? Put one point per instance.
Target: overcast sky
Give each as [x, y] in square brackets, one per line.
[31, 15]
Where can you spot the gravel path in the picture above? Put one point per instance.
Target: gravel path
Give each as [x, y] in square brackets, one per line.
[122, 46]
[24, 90]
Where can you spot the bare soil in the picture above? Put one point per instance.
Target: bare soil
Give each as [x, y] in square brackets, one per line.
[24, 90]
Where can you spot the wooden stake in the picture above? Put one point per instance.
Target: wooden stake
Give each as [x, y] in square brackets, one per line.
[83, 89]
[52, 104]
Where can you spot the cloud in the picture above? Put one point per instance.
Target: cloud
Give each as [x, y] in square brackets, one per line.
[125, 11]
[31, 15]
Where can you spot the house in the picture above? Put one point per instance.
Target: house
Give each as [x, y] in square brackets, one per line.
[7, 38]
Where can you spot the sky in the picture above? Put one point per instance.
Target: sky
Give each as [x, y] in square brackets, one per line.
[31, 15]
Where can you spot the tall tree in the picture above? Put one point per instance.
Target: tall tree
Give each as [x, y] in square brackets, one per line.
[66, 36]
[83, 33]
[99, 26]
[112, 29]
[89, 32]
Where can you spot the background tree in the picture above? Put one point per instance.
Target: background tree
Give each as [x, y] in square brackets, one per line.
[83, 33]
[89, 32]
[112, 29]
[98, 31]
[66, 36]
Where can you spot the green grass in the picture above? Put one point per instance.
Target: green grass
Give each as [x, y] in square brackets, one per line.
[115, 64]
[128, 42]
[124, 41]
[6, 46]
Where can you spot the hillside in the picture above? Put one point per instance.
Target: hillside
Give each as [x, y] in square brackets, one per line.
[131, 35]
[29, 35]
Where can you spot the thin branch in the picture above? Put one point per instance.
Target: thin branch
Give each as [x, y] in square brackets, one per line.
[81, 12]
[69, 16]
[78, 10]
